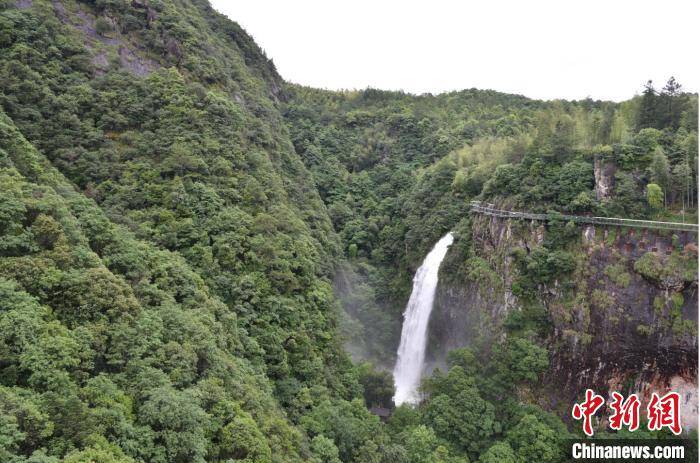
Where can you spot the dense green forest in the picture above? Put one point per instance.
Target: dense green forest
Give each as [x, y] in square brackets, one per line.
[398, 171]
[200, 262]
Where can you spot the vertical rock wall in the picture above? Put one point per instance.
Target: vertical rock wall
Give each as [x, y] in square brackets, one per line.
[616, 328]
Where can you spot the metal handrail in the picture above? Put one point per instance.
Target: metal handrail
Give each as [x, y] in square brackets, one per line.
[490, 210]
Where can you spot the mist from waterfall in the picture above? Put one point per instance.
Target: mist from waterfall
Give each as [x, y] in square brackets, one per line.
[411, 353]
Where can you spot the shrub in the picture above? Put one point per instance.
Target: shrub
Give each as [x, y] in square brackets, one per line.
[102, 26]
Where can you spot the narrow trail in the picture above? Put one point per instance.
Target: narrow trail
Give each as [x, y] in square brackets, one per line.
[488, 209]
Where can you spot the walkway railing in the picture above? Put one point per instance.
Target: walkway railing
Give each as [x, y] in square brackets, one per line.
[488, 209]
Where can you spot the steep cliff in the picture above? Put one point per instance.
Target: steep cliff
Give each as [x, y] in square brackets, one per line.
[623, 318]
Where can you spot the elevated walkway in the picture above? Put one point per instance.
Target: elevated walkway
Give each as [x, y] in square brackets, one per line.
[478, 207]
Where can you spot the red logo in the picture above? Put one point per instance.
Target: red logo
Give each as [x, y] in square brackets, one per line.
[662, 412]
[587, 409]
[625, 412]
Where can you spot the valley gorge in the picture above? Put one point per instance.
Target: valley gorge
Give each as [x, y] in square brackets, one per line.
[203, 262]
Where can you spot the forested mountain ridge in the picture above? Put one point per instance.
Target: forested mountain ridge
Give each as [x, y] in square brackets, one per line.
[399, 172]
[536, 313]
[218, 295]
[178, 225]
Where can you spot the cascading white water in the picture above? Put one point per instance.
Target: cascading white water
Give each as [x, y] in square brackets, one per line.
[411, 354]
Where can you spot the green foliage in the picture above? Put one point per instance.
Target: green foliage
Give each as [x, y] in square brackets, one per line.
[532, 318]
[378, 386]
[667, 271]
[519, 360]
[465, 359]
[370, 330]
[533, 440]
[177, 226]
[655, 196]
[500, 452]
[421, 444]
[100, 451]
[218, 251]
[457, 412]
[540, 267]
[480, 271]
[464, 411]
[403, 417]
[628, 200]
[242, 440]
[324, 450]
[618, 274]
[391, 200]
[102, 26]
[660, 173]
[355, 432]
[662, 109]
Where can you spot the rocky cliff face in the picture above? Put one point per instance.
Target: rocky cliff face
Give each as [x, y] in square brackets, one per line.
[604, 173]
[624, 319]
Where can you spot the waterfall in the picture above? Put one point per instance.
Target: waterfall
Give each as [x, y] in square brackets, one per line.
[411, 353]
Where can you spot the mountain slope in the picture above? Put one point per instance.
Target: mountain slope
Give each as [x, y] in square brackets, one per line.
[201, 290]
[101, 331]
[180, 230]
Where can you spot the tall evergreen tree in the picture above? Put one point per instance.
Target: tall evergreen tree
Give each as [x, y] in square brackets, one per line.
[648, 108]
[671, 105]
